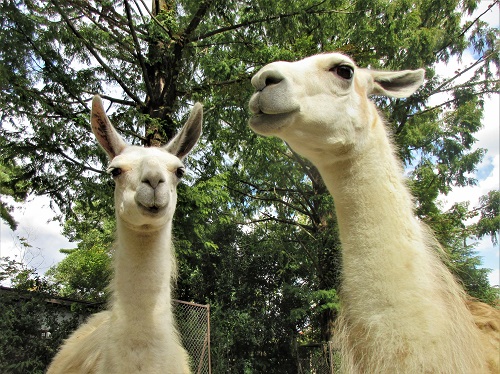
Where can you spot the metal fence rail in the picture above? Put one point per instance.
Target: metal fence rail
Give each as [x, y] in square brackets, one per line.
[193, 322]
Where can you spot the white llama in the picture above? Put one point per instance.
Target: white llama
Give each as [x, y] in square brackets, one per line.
[402, 311]
[137, 334]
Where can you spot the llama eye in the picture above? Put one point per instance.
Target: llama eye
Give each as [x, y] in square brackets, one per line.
[179, 172]
[115, 172]
[343, 71]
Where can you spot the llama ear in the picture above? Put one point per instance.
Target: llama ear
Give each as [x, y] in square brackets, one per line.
[104, 131]
[396, 83]
[186, 139]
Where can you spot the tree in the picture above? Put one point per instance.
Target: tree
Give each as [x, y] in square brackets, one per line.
[31, 327]
[489, 221]
[16, 190]
[254, 236]
[85, 272]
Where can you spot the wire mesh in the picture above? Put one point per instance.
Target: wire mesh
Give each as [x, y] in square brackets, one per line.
[193, 322]
[319, 358]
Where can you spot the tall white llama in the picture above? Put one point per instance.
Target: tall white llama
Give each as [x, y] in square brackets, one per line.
[137, 334]
[402, 310]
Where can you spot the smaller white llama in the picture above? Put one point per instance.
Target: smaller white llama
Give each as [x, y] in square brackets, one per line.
[137, 334]
[402, 311]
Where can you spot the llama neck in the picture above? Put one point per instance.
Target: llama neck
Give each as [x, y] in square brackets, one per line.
[143, 267]
[394, 289]
[383, 242]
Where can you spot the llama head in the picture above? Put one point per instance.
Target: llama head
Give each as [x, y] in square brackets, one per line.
[145, 178]
[320, 106]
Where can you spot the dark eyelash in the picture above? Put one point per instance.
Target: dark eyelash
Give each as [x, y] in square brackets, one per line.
[180, 172]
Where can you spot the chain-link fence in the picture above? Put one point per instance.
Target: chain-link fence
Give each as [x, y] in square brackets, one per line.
[193, 322]
[318, 358]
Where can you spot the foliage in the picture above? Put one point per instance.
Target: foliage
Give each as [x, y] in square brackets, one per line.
[16, 190]
[31, 327]
[85, 272]
[22, 347]
[489, 221]
[255, 230]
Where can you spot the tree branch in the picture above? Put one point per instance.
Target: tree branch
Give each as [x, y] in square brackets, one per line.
[270, 199]
[156, 20]
[274, 189]
[142, 62]
[475, 63]
[275, 219]
[48, 63]
[472, 84]
[197, 18]
[464, 31]
[447, 103]
[306, 168]
[83, 166]
[96, 55]
[265, 19]
[203, 87]
[114, 99]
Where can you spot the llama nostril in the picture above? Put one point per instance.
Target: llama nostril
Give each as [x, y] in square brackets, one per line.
[272, 80]
[266, 78]
[153, 181]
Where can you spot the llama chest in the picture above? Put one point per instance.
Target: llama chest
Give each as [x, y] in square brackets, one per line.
[143, 348]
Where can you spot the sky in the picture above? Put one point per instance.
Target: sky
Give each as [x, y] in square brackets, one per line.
[488, 138]
[36, 223]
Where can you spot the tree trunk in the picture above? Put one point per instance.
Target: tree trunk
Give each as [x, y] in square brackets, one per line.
[164, 56]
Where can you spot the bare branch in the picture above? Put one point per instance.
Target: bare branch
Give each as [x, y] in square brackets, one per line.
[480, 60]
[464, 31]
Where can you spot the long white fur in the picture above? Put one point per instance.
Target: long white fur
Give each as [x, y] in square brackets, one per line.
[138, 333]
[402, 310]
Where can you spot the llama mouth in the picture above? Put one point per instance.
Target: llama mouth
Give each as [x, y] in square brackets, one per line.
[268, 124]
[151, 210]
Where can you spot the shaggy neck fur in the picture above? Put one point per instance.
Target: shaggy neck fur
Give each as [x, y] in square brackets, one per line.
[399, 302]
[141, 322]
[402, 311]
[143, 267]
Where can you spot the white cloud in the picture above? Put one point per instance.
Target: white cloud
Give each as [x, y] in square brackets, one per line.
[488, 138]
[494, 277]
[491, 17]
[491, 259]
[44, 235]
